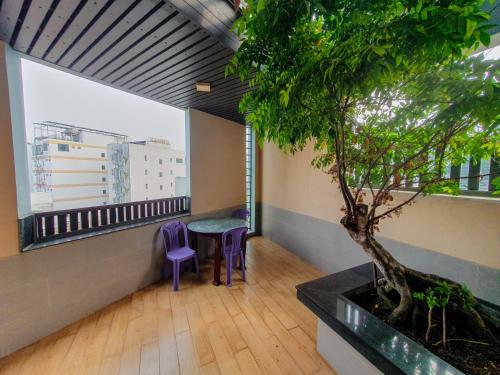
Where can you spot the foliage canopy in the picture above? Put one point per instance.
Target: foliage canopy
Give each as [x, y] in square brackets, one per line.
[384, 88]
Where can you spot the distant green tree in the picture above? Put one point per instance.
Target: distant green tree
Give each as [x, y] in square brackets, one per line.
[386, 91]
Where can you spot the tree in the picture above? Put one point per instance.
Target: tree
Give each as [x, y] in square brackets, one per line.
[386, 91]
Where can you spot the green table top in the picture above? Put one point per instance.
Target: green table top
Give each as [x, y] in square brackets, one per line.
[218, 225]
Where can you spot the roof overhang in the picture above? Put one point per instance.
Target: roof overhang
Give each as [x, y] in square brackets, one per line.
[156, 49]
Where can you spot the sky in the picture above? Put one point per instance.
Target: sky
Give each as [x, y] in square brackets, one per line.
[54, 95]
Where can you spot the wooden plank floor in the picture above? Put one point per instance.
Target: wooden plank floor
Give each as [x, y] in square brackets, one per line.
[257, 327]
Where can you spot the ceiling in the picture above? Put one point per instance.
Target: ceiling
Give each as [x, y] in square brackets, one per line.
[153, 48]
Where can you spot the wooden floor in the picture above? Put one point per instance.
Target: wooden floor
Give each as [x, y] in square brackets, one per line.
[257, 327]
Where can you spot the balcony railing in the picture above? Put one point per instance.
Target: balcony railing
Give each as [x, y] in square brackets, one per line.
[468, 177]
[48, 226]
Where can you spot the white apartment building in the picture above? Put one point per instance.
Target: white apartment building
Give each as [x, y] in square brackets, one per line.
[145, 170]
[70, 166]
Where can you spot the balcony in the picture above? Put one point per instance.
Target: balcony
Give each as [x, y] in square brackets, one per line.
[88, 289]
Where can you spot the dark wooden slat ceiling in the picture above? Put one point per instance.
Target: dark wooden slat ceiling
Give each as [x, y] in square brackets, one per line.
[156, 49]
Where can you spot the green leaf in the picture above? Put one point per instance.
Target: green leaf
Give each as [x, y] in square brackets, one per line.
[379, 50]
[261, 4]
[484, 38]
[470, 27]
[419, 6]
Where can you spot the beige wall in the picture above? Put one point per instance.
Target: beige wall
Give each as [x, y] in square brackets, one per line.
[8, 208]
[217, 150]
[466, 228]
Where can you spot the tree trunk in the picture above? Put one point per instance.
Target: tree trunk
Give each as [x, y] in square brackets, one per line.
[429, 325]
[393, 271]
[405, 280]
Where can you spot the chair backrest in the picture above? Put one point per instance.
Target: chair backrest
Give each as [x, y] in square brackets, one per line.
[233, 240]
[241, 213]
[171, 233]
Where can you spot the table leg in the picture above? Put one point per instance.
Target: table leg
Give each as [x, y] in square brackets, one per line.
[217, 261]
[194, 246]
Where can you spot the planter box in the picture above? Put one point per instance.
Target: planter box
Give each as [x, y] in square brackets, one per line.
[353, 341]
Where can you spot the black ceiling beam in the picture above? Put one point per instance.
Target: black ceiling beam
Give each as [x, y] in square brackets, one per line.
[191, 72]
[112, 45]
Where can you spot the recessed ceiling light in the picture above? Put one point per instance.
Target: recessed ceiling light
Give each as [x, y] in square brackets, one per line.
[203, 86]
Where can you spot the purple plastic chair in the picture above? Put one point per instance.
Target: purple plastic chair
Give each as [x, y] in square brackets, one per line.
[175, 250]
[241, 213]
[233, 242]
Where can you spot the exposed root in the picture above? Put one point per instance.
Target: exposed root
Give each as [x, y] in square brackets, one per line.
[381, 292]
[464, 340]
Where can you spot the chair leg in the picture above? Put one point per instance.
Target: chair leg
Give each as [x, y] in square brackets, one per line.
[176, 275]
[229, 269]
[197, 265]
[242, 262]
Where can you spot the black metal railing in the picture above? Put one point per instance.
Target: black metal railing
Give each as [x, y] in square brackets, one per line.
[468, 175]
[48, 226]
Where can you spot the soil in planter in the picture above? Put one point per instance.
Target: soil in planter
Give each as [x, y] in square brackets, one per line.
[474, 358]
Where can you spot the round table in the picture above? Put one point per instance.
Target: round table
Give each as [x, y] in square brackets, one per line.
[214, 228]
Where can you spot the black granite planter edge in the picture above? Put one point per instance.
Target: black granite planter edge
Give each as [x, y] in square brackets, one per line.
[372, 355]
[348, 281]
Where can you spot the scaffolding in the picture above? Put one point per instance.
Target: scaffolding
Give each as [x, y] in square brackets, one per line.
[51, 130]
[119, 156]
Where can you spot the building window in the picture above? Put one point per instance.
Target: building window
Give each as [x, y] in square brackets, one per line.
[171, 172]
[161, 174]
[145, 158]
[171, 160]
[104, 179]
[103, 167]
[179, 160]
[63, 147]
[104, 203]
[103, 155]
[161, 187]
[40, 149]
[146, 172]
[161, 161]
[171, 184]
[146, 188]
[104, 191]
